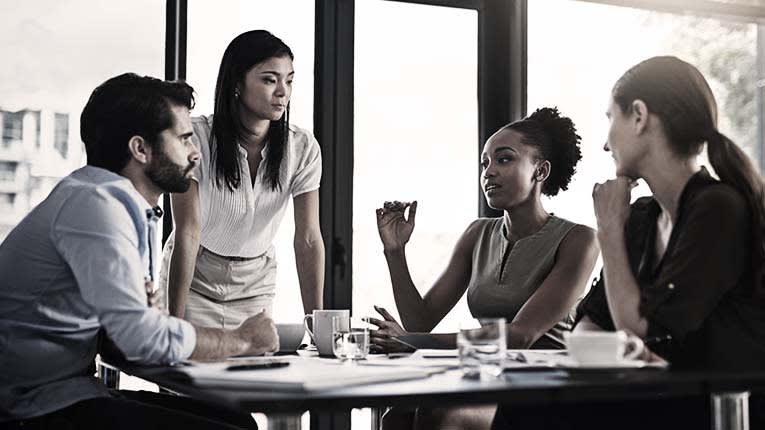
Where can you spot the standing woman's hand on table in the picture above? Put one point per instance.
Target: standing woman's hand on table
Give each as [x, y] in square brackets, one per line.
[395, 229]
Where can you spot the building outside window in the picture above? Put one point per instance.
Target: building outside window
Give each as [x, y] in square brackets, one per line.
[13, 128]
[61, 137]
[44, 85]
[35, 115]
[6, 200]
[7, 171]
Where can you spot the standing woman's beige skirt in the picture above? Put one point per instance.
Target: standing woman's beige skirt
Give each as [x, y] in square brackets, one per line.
[224, 291]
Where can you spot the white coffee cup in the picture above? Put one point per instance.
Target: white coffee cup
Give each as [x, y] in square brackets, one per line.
[322, 328]
[603, 348]
[290, 336]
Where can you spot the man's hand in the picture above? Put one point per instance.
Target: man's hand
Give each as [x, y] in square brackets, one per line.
[152, 296]
[259, 332]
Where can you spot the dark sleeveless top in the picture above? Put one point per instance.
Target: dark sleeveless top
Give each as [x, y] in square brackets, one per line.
[504, 278]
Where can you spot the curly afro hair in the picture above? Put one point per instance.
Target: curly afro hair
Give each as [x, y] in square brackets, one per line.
[554, 136]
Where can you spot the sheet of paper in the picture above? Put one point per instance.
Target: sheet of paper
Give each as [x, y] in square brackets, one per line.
[302, 374]
[434, 360]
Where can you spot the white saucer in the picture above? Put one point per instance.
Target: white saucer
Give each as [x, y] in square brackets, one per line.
[626, 364]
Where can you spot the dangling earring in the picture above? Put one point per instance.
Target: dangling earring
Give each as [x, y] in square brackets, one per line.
[236, 94]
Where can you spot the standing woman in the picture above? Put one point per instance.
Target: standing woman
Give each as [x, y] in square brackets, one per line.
[219, 264]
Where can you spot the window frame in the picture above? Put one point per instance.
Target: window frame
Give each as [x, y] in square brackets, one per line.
[502, 95]
[501, 99]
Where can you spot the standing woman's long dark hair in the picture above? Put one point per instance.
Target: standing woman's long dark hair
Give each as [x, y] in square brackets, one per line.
[244, 52]
[678, 94]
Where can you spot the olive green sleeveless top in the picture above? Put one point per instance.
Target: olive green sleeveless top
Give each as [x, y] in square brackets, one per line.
[504, 277]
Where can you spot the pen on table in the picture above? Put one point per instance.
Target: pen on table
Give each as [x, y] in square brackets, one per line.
[394, 355]
[403, 343]
[258, 366]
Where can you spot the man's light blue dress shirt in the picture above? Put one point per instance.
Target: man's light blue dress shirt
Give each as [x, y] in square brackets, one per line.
[75, 265]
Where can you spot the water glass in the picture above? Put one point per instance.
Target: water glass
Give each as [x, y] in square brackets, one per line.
[482, 350]
[349, 342]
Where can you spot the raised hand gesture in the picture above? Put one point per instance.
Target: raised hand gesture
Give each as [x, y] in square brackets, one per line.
[395, 229]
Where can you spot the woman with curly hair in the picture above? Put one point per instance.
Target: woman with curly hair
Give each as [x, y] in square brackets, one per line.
[528, 266]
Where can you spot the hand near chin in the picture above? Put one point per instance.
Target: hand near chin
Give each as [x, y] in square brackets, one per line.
[612, 204]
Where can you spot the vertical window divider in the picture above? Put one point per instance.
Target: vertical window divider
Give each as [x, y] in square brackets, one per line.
[175, 69]
[333, 126]
[760, 95]
[502, 64]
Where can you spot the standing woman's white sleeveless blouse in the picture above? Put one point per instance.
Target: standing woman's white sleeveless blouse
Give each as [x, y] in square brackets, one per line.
[235, 271]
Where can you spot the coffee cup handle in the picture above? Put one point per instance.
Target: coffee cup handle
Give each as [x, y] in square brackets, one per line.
[305, 324]
[637, 346]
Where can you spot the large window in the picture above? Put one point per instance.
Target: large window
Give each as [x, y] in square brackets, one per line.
[54, 54]
[211, 26]
[577, 51]
[415, 128]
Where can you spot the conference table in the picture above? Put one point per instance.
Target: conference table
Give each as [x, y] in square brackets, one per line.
[728, 392]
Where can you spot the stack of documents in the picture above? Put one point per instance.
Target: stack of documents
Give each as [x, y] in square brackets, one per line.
[302, 374]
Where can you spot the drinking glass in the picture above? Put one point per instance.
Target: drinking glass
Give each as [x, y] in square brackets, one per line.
[482, 350]
[349, 341]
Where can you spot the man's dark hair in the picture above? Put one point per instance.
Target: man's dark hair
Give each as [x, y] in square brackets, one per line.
[125, 106]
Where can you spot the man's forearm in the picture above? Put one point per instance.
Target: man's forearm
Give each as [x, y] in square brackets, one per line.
[215, 344]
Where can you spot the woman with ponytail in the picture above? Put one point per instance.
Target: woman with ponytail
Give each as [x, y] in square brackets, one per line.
[682, 269]
[219, 265]
[684, 265]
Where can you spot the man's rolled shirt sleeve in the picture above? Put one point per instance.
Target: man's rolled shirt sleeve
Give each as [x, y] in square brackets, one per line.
[99, 236]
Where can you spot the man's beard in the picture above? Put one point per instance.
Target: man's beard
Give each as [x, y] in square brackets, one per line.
[168, 176]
